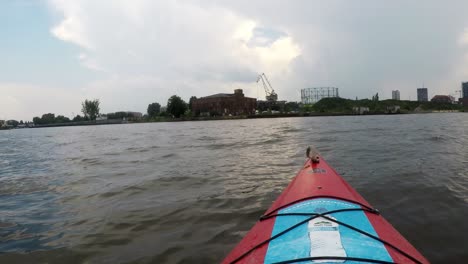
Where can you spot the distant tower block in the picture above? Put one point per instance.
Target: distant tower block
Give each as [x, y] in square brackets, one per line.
[465, 89]
[422, 95]
[313, 95]
[396, 95]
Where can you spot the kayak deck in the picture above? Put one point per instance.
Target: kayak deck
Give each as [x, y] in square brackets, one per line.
[320, 218]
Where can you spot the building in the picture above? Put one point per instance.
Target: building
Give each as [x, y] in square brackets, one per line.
[124, 115]
[465, 89]
[101, 117]
[393, 109]
[224, 104]
[422, 95]
[134, 114]
[313, 95]
[265, 106]
[360, 110]
[443, 99]
[464, 99]
[396, 95]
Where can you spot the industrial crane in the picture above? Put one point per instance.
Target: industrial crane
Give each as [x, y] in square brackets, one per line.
[271, 96]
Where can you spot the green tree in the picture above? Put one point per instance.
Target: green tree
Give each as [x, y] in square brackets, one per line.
[188, 113]
[193, 98]
[13, 123]
[176, 106]
[90, 108]
[48, 118]
[153, 109]
[78, 118]
[61, 119]
[291, 106]
[375, 97]
[37, 120]
[333, 105]
[306, 108]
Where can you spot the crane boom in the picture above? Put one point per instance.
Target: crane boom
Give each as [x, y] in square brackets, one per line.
[270, 93]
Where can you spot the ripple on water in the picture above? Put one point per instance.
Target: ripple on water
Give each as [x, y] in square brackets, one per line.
[189, 191]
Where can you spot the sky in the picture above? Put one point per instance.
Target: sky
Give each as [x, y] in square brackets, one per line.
[54, 54]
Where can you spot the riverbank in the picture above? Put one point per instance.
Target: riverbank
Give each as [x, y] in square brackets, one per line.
[205, 118]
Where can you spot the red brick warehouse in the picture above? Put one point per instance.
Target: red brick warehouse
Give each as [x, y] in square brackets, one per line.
[224, 104]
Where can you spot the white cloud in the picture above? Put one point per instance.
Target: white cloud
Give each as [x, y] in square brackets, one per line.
[208, 48]
[143, 51]
[463, 40]
[23, 101]
[90, 63]
[71, 29]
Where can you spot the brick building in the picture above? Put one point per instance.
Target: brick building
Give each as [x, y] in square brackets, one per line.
[443, 99]
[224, 104]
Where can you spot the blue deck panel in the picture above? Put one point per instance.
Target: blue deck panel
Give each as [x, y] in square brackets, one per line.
[296, 243]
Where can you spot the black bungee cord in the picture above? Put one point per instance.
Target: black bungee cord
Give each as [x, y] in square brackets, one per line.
[316, 215]
[364, 207]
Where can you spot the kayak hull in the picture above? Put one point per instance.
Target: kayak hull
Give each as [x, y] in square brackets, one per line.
[320, 215]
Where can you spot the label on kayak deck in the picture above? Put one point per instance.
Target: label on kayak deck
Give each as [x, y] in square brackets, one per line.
[325, 239]
[317, 170]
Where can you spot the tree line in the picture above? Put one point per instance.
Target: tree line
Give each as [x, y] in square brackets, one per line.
[376, 106]
[175, 107]
[89, 108]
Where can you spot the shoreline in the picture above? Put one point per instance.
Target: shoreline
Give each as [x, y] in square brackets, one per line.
[118, 122]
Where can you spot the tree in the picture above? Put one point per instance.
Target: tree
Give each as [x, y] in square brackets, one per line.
[90, 108]
[190, 104]
[291, 106]
[37, 120]
[48, 118]
[61, 119]
[78, 118]
[375, 97]
[12, 123]
[333, 105]
[153, 109]
[176, 106]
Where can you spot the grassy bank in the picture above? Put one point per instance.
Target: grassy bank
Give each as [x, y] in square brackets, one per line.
[341, 105]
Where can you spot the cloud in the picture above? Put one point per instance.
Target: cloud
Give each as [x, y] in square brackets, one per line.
[23, 101]
[90, 63]
[211, 49]
[144, 51]
[464, 37]
[367, 47]
[71, 29]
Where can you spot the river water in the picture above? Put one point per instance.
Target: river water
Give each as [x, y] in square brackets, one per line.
[186, 192]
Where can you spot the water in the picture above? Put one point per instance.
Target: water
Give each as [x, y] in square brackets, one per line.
[187, 192]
